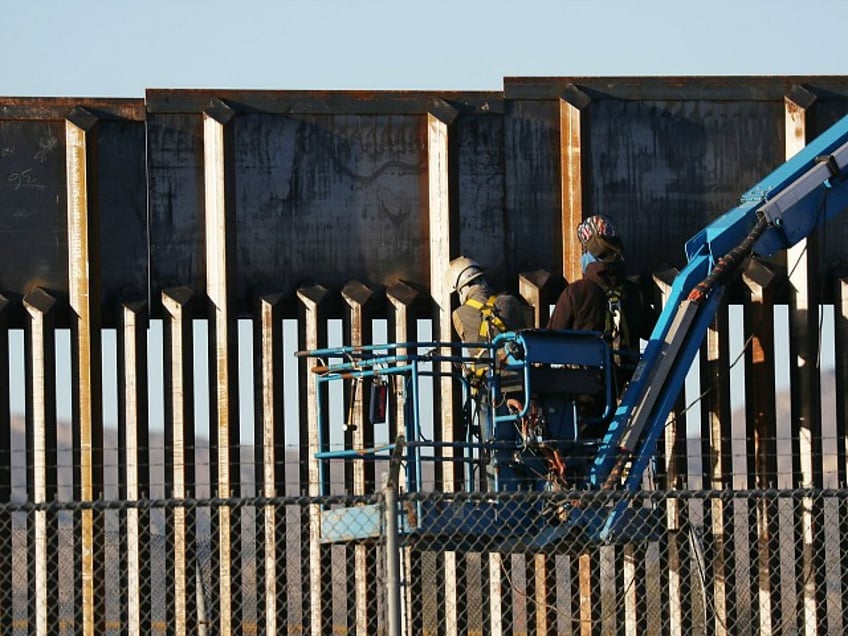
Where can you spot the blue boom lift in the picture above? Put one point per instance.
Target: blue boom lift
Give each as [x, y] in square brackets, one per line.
[521, 391]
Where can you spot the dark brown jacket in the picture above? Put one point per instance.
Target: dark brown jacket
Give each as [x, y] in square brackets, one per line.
[583, 304]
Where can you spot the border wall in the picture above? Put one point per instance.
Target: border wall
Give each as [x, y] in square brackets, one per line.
[183, 244]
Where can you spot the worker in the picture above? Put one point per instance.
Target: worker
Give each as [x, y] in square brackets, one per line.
[481, 315]
[605, 300]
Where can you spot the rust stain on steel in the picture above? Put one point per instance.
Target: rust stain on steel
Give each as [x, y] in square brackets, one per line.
[57, 108]
[585, 592]
[176, 303]
[84, 291]
[270, 436]
[571, 160]
[326, 102]
[83, 243]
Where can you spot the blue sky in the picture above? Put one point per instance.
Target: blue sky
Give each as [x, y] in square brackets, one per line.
[118, 48]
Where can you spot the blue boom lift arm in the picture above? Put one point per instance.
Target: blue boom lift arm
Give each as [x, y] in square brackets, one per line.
[777, 213]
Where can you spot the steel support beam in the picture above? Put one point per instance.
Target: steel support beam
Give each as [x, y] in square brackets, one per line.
[805, 382]
[314, 301]
[841, 377]
[6, 615]
[841, 370]
[179, 452]
[540, 289]
[270, 441]
[313, 305]
[134, 460]
[360, 301]
[761, 418]
[441, 252]
[220, 233]
[676, 574]
[41, 456]
[574, 116]
[406, 302]
[81, 139]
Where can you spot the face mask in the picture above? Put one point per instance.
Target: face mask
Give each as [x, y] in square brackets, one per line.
[585, 259]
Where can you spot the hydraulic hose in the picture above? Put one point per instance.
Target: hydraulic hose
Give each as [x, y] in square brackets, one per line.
[728, 262]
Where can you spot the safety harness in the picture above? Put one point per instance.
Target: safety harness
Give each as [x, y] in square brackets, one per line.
[616, 328]
[489, 312]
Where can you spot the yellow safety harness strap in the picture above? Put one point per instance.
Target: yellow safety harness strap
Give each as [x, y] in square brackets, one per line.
[490, 315]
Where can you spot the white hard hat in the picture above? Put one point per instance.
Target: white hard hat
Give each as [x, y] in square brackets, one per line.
[461, 271]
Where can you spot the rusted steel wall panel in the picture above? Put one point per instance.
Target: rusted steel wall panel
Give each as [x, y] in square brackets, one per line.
[664, 170]
[122, 203]
[323, 178]
[477, 146]
[533, 204]
[175, 207]
[325, 198]
[33, 193]
[680, 149]
[319, 196]
[668, 155]
[33, 222]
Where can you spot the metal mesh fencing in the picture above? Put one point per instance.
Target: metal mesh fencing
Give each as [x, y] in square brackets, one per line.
[695, 562]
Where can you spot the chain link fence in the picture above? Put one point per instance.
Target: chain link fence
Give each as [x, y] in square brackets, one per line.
[735, 562]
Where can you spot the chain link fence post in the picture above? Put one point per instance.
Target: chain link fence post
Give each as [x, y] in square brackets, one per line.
[390, 492]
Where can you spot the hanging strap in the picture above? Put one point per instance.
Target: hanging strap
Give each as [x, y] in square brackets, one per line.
[614, 316]
[613, 326]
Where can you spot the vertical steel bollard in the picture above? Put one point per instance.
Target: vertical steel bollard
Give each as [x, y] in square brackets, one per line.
[390, 495]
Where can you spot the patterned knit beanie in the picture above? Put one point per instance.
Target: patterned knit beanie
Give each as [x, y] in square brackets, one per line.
[598, 236]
